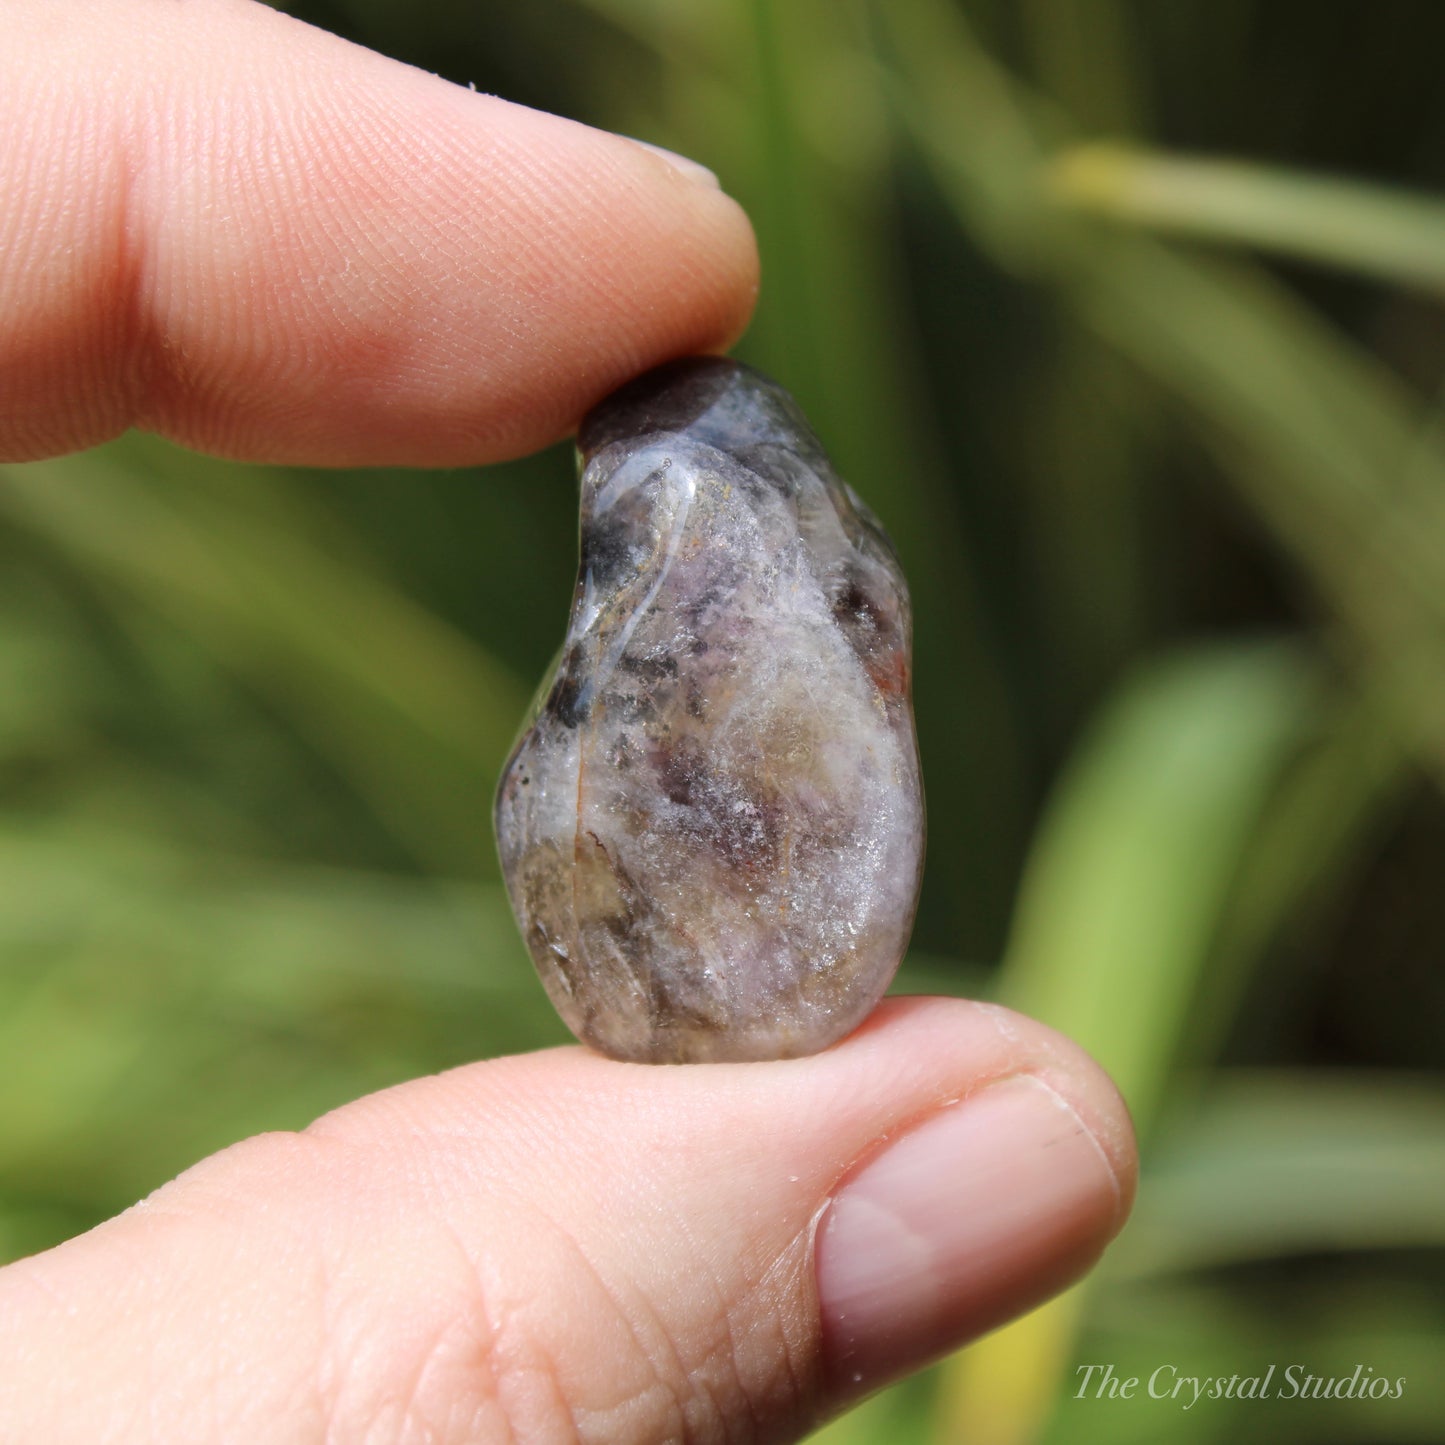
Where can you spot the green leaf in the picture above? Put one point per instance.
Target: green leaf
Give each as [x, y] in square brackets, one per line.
[1325, 444]
[1133, 866]
[1278, 1163]
[1123, 898]
[155, 1006]
[419, 717]
[1332, 220]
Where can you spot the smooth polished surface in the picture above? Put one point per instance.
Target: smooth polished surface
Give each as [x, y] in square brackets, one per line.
[712, 831]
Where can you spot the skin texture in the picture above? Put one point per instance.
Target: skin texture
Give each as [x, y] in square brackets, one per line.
[532, 1249]
[262, 241]
[227, 227]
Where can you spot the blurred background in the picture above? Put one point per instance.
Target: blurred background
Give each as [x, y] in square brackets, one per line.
[1127, 319]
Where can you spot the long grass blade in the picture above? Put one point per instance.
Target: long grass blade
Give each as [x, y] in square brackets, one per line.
[1121, 904]
[1330, 220]
[419, 717]
[1278, 1163]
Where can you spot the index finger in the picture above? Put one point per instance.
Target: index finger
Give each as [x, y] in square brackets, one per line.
[228, 227]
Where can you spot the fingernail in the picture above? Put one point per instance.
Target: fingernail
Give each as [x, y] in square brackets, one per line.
[973, 1216]
[690, 168]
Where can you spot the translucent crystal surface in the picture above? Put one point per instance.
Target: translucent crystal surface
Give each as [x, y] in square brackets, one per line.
[712, 831]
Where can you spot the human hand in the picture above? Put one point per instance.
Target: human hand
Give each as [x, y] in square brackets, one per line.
[556, 1246]
[241, 232]
[244, 233]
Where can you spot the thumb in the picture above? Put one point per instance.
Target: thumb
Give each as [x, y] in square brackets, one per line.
[557, 1246]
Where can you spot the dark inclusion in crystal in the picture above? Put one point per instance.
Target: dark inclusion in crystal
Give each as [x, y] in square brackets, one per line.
[712, 830]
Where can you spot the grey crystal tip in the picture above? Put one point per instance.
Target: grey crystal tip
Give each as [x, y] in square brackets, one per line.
[712, 830]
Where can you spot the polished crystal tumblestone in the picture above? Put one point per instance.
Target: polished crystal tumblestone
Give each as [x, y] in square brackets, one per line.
[712, 829]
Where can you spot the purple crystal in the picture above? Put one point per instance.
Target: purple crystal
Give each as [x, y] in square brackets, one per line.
[712, 829]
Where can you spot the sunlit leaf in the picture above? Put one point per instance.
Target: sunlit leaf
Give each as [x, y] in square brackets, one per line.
[1329, 219]
[1273, 1164]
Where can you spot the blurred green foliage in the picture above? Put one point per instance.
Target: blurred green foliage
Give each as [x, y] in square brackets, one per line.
[1159, 439]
